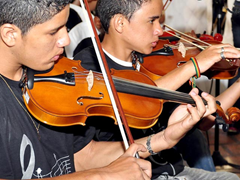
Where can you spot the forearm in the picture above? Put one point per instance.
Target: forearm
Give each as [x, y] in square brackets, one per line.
[109, 151]
[109, 160]
[167, 138]
[229, 96]
[227, 99]
[177, 77]
[94, 174]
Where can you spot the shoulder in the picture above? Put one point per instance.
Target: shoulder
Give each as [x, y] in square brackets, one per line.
[87, 53]
[88, 59]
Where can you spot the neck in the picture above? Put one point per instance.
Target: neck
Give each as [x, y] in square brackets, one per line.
[16, 76]
[116, 48]
[9, 67]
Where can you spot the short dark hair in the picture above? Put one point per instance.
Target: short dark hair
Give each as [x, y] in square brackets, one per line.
[27, 13]
[106, 9]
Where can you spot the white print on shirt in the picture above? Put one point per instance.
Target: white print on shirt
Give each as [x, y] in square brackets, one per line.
[61, 167]
[27, 174]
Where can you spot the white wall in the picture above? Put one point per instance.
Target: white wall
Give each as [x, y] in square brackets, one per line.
[187, 15]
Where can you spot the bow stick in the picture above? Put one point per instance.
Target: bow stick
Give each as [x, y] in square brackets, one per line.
[117, 107]
[233, 62]
[196, 39]
[166, 5]
[190, 37]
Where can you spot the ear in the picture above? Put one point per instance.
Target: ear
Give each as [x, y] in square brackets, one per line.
[119, 22]
[9, 34]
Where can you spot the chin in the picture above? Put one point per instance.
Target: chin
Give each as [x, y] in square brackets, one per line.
[44, 67]
[148, 52]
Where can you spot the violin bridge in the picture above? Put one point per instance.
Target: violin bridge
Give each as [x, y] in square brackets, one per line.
[182, 49]
[90, 80]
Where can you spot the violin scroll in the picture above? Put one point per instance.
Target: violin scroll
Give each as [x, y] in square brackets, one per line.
[233, 114]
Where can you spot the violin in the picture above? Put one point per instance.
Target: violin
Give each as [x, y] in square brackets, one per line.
[66, 95]
[162, 64]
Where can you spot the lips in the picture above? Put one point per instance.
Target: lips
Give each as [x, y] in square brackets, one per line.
[154, 44]
[56, 57]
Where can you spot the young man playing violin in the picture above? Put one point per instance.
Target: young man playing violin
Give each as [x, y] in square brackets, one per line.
[33, 35]
[134, 26]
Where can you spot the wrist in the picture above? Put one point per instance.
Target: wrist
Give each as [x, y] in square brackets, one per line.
[103, 174]
[188, 69]
[93, 174]
[186, 126]
[149, 145]
[196, 67]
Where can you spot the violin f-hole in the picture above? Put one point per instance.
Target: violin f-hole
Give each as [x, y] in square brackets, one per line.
[79, 102]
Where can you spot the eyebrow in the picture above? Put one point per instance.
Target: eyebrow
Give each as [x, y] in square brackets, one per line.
[56, 29]
[154, 17]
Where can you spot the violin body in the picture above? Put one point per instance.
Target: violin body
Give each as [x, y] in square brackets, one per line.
[59, 104]
[161, 65]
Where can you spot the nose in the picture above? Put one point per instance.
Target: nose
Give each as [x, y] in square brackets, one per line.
[158, 30]
[64, 39]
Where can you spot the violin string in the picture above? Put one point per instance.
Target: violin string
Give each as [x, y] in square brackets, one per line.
[172, 96]
[200, 47]
[80, 75]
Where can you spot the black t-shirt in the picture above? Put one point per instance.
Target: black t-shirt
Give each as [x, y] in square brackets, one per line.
[169, 161]
[23, 155]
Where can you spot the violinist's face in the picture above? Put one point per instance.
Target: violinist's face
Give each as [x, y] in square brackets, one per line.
[44, 43]
[144, 28]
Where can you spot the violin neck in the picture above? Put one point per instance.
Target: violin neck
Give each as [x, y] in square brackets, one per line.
[146, 90]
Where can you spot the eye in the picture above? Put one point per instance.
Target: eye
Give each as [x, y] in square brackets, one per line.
[53, 33]
[151, 21]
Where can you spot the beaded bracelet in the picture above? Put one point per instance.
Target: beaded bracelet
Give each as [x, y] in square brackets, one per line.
[198, 74]
[149, 148]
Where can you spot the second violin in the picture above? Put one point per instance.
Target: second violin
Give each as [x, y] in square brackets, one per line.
[162, 64]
